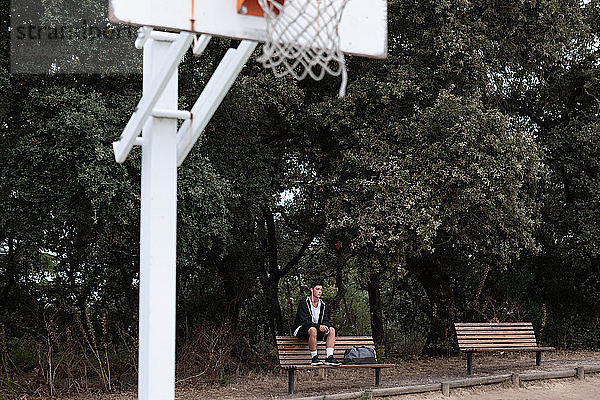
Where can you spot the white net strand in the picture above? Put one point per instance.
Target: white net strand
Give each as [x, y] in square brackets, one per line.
[303, 39]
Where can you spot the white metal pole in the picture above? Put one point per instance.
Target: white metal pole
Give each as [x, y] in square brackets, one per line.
[156, 379]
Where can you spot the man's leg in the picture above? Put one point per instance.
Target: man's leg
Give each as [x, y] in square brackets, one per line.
[312, 339]
[312, 346]
[330, 341]
[329, 346]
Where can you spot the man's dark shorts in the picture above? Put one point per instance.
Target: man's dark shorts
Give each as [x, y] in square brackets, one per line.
[303, 332]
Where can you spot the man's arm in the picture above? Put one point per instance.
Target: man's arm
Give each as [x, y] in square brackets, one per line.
[326, 317]
[302, 315]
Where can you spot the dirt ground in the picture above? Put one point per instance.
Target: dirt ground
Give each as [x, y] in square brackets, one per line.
[561, 389]
[411, 372]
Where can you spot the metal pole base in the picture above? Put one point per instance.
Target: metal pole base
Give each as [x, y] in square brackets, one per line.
[291, 380]
[469, 363]
[377, 376]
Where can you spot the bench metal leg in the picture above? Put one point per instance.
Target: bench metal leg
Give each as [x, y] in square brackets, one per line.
[469, 363]
[377, 376]
[538, 358]
[291, 380]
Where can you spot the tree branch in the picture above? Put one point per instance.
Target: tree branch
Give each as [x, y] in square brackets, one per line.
[271, 245]
[294, 261]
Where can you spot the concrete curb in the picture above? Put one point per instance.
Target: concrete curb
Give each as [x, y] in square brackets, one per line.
[445, 386]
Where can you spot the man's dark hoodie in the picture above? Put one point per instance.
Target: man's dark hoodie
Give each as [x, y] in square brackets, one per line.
[304, 317]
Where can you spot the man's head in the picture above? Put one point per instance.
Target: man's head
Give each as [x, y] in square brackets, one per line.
[316, 289]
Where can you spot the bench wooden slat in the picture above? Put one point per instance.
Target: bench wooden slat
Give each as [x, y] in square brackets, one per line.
[524, 325]
[485, 345]
[479, 330]
[306, 351]
[497, 331]
[299, 341]
[349, 338]
[294, 362]
[298, 358]
[305, 356]
[340, 366]
[494, 328]
[336, 340]
[492, 334]
[497, 340]
[290, 360]
[345, 343]
[512, 349]
[492, 323]
[322, 344]
[501, 339]
[348, 366]
[499, 346]
[506, 344]
[319, 349]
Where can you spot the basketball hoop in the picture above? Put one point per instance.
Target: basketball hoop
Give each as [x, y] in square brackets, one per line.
[303, 39]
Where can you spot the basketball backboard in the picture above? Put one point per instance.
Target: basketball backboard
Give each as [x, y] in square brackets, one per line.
[363, 27]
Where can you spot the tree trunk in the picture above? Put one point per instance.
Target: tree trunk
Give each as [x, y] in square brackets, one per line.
[340, 263]
[234, 291]
[121, 263]
[373, 287]
[436, 284]
[271, 281]
[271, 287]
[273, 273]
[9, 279]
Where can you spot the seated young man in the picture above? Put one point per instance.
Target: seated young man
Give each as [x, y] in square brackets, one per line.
[312, 324]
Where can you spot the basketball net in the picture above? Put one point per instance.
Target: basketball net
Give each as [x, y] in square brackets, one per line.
[303, 39]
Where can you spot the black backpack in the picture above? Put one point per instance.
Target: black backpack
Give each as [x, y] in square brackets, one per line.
[360, 355]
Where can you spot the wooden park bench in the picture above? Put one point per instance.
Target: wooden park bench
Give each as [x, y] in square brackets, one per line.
[501, 336]
[294, 355]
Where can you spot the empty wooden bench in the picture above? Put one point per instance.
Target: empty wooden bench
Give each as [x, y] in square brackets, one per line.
[294, 355]
[501, 336]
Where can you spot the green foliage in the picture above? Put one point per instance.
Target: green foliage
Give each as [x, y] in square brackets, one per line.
[22, 354]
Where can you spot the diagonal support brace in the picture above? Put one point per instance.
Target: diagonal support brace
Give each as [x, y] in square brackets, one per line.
[148, 101]
[213, 94]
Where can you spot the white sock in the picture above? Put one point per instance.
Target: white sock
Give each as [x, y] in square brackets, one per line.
[313, 353]
[329, 351]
